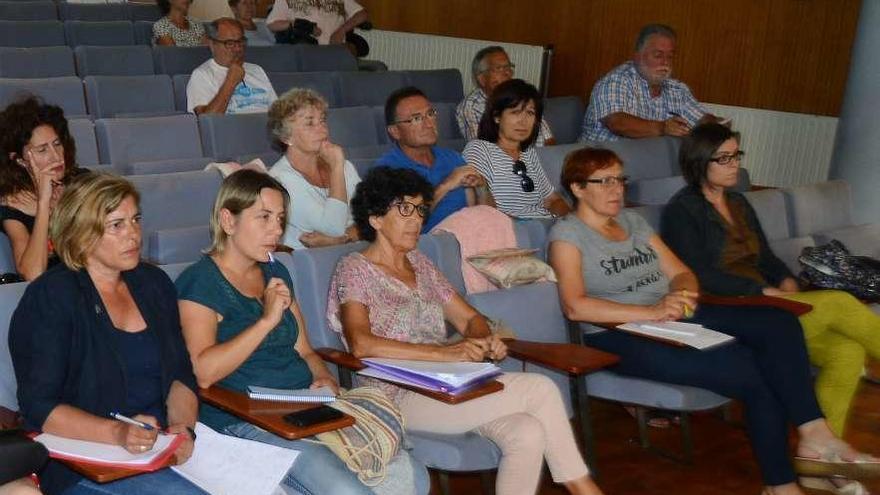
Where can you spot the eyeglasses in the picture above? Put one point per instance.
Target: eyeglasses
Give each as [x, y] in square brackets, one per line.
[731, 159]
[418, 118]
[498, 69]
[230, 44]
[406, 208]
[611, 181]
[525, 182]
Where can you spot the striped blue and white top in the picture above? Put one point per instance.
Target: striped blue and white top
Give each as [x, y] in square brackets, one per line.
[497, 167]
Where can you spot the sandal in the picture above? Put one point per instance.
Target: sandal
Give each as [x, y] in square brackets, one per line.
[656, 419]
[830, 463]
[826, 485]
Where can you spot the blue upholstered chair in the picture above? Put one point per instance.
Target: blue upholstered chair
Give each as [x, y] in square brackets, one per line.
[45, 61]
[31, 33]
[564, 115]
[273, 58]
[439, 85]
[324, 58]
[93, 12]
[111, 96]
[125, 141]
[226, 137]
[66, 92]
[125, 60]
[368, 88]
[10, 294]
[179, 59]
[83, 133]
[325, 83]
[28, 11]
[99, 33]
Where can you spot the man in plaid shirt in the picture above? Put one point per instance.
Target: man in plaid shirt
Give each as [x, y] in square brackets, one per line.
[639, 98]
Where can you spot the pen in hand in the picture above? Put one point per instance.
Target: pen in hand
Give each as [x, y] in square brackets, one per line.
[126, 419]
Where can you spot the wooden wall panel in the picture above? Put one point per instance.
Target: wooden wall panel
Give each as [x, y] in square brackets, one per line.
[789, 55]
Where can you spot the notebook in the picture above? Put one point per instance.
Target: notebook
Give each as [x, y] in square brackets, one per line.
[226, 465]
[321, 395]
[679, 332]
[104, 454]
[438, 376]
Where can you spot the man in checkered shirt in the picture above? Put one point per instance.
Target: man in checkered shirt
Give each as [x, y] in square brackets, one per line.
[639, 98]
[490, 67]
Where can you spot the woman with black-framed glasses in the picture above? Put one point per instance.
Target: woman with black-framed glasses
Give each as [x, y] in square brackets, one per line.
[390, 301]
[505, 153]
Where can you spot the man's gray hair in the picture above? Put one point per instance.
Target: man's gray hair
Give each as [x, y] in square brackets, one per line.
[651, 30]
[212, 29]
[478, 64]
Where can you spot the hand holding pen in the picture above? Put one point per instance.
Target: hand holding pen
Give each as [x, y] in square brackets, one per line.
[136, 434]
[676, 125]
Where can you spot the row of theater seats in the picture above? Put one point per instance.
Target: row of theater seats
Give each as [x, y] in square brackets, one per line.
[73, 33]
[37, 10]
[52, 61]
[160, 94]
[793, 217]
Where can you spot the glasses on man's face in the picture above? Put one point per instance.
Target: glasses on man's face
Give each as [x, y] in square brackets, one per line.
[732, 159]
[525, 182]
[418, 118]
[611, 181]
[499, 69]
[406, 209]
[231, 44]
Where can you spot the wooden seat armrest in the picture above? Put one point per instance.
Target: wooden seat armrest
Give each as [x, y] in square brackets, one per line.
[794, 307]
[568, 358]
[340, 358]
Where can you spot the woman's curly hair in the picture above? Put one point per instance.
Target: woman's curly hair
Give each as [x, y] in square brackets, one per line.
[17, 124]
[381, 187]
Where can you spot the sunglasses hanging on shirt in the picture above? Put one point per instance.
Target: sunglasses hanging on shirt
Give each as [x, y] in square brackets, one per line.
[525, 182]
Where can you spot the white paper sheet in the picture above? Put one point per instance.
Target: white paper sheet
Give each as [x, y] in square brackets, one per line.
[102, 452]
[226, 465]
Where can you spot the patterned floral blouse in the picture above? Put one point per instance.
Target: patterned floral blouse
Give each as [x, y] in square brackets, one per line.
[194, 36]
[396, 310]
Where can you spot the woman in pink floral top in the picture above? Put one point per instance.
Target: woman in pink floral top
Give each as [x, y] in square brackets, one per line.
[390, 301]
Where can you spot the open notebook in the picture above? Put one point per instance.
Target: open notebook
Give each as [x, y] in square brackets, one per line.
[678, 332]
[445, 377]
[110, 455]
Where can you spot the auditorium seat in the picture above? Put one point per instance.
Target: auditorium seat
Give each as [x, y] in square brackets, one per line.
[93, 12]
[10, 294]
[112, 96]
[362, 165]
[439, 85]
[133, 60]
[323, 58]
[564, 115]
[179, 82]
[447, 127]
[324, 83]
[274, 58]
[44, 61]
[166, 166]
[66, 92]
[144, 12]
[83, 133]
[7, 261]
[179, 59]
[368, 88]
[645, 158]
[354, 127]
[143, 32]
[28, 11]
[553, 157]
[227, 136]
[99, 33]
[267, 157]
[31, 33]
[175, 206]
[122, 141]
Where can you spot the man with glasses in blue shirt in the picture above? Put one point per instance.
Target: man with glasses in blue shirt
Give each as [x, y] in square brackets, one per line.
[412, 125]
[226, 83]
[490, 67]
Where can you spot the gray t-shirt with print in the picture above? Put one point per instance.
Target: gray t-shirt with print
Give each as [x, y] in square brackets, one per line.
[627, 271]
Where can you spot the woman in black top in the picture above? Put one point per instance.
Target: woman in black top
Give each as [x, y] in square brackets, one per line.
[37, 156]
[100, 333]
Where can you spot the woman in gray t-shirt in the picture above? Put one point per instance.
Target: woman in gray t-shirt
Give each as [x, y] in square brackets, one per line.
[612, 267]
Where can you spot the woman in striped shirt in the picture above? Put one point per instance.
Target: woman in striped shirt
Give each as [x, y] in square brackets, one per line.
[505, 155]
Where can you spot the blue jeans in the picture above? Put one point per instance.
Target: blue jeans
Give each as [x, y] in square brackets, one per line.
[164, 481]
[317, 470]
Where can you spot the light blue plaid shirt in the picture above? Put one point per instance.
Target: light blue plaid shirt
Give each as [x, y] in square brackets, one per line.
[625, 90]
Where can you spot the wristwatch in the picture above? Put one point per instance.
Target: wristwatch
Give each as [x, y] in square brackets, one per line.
[192, 433]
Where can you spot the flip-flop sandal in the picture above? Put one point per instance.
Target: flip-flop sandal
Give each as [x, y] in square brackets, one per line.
[830, 463]
[656, 419]
[828, 486]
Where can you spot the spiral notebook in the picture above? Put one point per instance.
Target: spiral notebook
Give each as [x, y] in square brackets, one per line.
[321, 395]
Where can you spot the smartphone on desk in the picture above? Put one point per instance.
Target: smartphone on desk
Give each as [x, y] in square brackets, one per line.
[313, 416]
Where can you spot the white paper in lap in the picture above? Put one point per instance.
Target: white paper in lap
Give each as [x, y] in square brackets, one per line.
[226, 465]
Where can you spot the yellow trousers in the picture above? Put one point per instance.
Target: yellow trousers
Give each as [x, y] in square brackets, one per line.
[840, 332]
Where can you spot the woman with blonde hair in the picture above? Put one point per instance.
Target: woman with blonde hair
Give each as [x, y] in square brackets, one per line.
[314, 171]
[100, 333]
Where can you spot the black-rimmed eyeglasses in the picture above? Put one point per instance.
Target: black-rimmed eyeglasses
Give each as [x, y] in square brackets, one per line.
[418, 118]
[525, 182]
[230, 44]
[731, 159]
[406, 209]
[610, 181]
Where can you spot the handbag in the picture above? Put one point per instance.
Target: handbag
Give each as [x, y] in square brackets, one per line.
[831, 266]
[368, 446]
